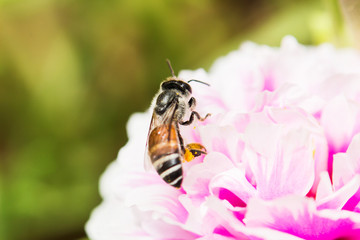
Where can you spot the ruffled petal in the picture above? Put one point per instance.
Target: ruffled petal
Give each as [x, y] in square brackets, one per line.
[347, 165]
[232, 185]
[341, 121]
[299, 217]
[281, 146]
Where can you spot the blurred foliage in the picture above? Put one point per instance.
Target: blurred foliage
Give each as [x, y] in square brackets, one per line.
[71, 73]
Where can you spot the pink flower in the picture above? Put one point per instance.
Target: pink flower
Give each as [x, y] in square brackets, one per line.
[283, 156]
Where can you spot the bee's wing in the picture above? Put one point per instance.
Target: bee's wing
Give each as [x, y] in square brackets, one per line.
[157, 120]
[147, 161]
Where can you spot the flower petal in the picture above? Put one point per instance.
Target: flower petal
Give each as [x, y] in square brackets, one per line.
[299, 217]
[341, 121]
[281, 149]
[199, 176]
[232, 186]
[345, 197]
[105, 223]
[346, 165]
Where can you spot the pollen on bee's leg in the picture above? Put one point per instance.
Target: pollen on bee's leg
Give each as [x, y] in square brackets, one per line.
[193, 150]
[188, 156]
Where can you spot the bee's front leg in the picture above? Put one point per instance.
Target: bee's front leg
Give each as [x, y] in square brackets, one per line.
[191, 119]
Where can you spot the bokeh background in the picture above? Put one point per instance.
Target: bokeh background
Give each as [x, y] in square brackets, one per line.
[72, 72]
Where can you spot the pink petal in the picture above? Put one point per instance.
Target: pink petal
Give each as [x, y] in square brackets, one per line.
[340, 119]
[159, 212]
[219, 211]
[161, 199]
[268, 234]
[204, 217]
[245, 77]
[216, 237]
[232, 186]
[281, 149]
[290, 95]
[234, 228]
[325, 187]
[298, 216]
[198, 220]
[345, 197]
[346, 165]
[198, 177]
[106, 223]
[159, 228]
[224, 139]
[345, 83]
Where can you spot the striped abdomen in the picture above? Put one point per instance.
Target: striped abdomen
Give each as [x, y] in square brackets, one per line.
[165, 154]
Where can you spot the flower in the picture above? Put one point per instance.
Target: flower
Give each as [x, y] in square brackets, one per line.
[283, 156]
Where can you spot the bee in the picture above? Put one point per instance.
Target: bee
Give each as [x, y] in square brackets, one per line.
[165, 145]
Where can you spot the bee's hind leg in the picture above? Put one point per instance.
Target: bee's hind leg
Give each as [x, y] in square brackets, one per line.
[193, 150]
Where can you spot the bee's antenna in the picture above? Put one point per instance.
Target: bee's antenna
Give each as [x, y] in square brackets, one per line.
[171, 69]
[195, 80]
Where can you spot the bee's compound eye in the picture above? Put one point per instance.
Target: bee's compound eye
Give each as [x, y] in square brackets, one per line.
[179, 85]
[186, 87]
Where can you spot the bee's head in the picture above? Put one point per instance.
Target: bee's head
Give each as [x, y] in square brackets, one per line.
[176, 84]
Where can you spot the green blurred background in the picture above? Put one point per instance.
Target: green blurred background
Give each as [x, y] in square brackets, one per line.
[72, 72]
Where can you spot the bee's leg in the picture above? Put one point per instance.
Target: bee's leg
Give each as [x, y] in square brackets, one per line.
[191, 119]
[180, 139]
[194, 150]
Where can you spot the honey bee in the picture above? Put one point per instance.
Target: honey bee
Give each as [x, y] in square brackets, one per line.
[165, 145]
